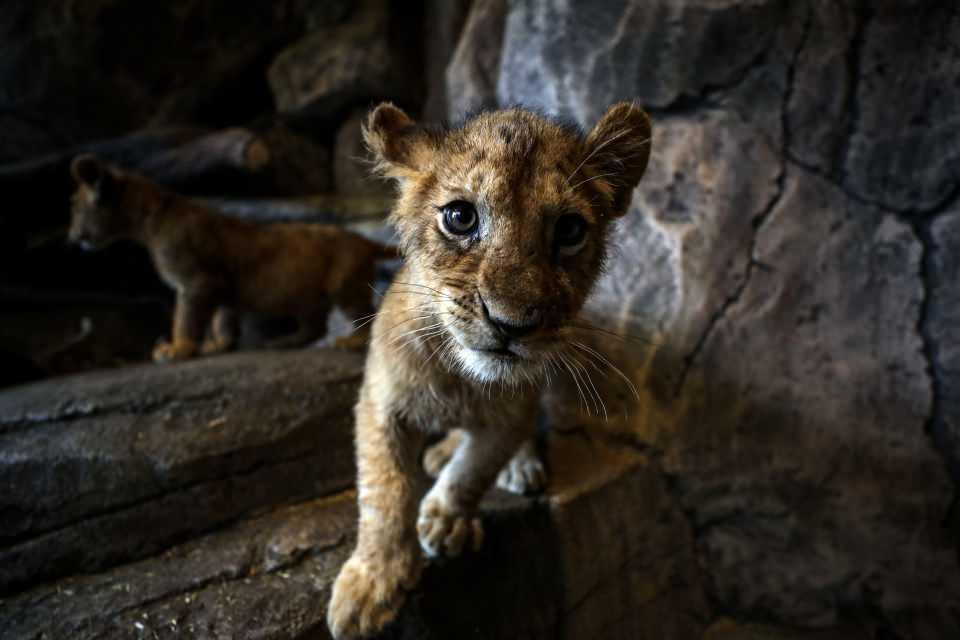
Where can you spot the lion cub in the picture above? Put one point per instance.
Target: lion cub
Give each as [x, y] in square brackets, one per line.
[504, 224]
[219, 264]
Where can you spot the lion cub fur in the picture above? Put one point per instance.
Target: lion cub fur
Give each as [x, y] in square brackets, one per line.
[471, 322]
[218, 265]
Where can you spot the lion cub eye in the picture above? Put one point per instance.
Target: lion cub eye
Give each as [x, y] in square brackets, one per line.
[570, 232]
[460, 218]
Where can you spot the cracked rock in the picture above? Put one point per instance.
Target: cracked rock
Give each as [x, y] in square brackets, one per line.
[164, 452]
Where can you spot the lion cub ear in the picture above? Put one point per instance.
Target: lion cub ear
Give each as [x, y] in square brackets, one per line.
[618, 148]
[89, 171]
[398, 145]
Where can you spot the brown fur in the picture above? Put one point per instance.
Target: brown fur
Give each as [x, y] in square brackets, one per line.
[438, 359]
[218, 264]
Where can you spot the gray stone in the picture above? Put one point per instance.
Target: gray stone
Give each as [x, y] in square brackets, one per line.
[574, 60]
[443, 24]
[904, 149]
[942, 327]
[574, 565]
[78, 71]
[336, 67]
[161, 453]
[471, 74]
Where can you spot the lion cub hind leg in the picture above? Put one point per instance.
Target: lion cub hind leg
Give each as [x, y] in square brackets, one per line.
[525, 474]
[447, 521]
[223, 333]
[190, 320]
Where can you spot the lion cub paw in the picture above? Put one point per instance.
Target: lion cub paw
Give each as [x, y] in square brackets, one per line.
[213, 346]
[173, 351]
[368, 595]
[524, 474]
[445, 533]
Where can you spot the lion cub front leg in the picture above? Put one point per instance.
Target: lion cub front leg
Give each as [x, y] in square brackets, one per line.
[190, 320]
[447, 522]
[373, 583]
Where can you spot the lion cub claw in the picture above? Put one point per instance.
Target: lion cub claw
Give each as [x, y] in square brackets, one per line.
[174, 351]
[368, 595]
[443, 532]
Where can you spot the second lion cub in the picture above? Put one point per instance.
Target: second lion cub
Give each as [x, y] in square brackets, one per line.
[218, 264]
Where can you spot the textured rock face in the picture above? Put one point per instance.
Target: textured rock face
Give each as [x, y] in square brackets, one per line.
[792, 254]
[344, 64]
[92, 456]
[76, 71]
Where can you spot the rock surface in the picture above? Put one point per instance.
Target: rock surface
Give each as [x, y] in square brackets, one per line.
[344, 65]
[162, 453]
[790, 262]
[79, 71]
[575, 564]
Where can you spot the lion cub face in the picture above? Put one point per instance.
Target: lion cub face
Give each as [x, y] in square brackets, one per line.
[95, 221]
[505, 224]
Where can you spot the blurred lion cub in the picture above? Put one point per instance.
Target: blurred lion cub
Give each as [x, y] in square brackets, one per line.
[505, 224]
[217, 264]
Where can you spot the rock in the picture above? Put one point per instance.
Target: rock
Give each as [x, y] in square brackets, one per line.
[791, 341]
[796, 473]
[443, 21]
[473, 70]
[263, 577]
[337, 67]
[606, 553]
[904, 155]
[164, 452]
[577, 61]
[577, 565]
[351, 162]
[89, 70]
[942, 332]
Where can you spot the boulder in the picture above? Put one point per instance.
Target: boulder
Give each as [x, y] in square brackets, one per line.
[336, 67]
[107, 467]
[87, 70]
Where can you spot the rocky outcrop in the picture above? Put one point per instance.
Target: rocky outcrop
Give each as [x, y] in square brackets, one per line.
[108, 467]
[348, 64]
[80, 71]
[219, 513]
[789, 260]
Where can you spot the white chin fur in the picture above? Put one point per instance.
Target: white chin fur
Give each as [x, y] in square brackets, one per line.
[490, 368]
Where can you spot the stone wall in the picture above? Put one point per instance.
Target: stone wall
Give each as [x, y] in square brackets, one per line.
[791, 258]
